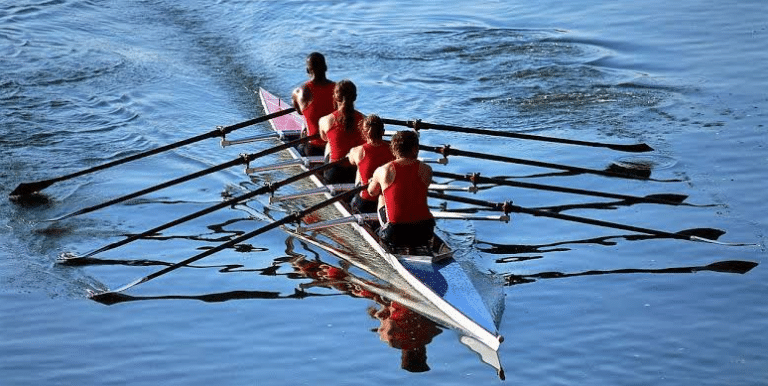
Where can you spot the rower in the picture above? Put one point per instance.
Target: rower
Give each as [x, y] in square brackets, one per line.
[404, 213]
[367, 157]
[314, 99]
[342, 129]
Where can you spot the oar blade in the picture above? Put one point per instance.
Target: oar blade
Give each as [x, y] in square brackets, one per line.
[731, 266]
[634, 148]
[705, 233]
[29, 188]
[109, 298]
[667, 198]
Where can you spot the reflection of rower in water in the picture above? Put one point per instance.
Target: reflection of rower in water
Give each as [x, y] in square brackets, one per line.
[400, 327]
[343, 131]
[367, 157]
[404, 213]
[313, 100]
[408, 331]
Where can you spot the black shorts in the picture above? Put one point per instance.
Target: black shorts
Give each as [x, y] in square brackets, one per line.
[344, 173]
[361, 205]
[407, 234]
[308, 150]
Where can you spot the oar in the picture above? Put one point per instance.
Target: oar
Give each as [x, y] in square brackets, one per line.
[243, 159]
[27, 188]
[509, 208]
[447, 150]
[475, 178]
[739, 267]
[418, 124]
[294, 217]
[232, 201]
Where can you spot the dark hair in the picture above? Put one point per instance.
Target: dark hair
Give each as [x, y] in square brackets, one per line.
[345, 94]
[316, 61]
[375, 127]
[404, 143]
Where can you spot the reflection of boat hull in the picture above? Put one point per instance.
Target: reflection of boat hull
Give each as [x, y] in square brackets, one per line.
[442, 290]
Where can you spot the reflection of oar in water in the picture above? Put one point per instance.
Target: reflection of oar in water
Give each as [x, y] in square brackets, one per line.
[294, 217]
[509, 208]
[28, 188]
[265, 189]
[243, 160]
[729, 266]
[418, 124]
[513, 249]
[475, 178]
[447, 150]
[111, 298]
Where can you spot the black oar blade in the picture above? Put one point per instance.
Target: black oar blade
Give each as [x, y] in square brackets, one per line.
[638, 173]
[109, 298]
[668, 198]
[731, 266]
[28, 188]
[636, 148]
[705, 233]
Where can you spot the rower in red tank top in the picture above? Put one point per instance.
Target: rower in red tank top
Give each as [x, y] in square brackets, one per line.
[340, 139]
[368, 157]
[407, 221]
[314, 100]
[342, 129]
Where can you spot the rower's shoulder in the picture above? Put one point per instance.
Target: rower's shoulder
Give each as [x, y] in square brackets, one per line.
[325, 83]
[356, 154]
[425, 171]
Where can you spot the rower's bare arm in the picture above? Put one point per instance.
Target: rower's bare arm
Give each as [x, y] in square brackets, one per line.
[324, 125]
[356, 155]
[425, 172]
[296, 99]
[374, 184]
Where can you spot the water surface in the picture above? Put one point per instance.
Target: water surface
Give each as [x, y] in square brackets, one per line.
[87, 82]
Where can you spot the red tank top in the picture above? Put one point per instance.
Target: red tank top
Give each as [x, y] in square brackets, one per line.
[342, 142]
[373, 157]
[406, 197]
[320, 106]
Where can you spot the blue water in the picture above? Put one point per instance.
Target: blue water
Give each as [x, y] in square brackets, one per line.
[85, 82]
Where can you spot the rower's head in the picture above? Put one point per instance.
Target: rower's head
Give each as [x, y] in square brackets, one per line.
[345, 92]
[405, 144]
[373, 128]
[316, 65]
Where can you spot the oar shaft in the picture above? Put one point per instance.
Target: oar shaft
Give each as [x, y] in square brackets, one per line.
[232, 201]
[27, 188]
[542, 213]
[446, 151]
[634, 148]
[229, 244]
[236, 161]
[475, 178]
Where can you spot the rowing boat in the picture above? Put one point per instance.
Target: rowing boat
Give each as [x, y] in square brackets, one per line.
[433, 283]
